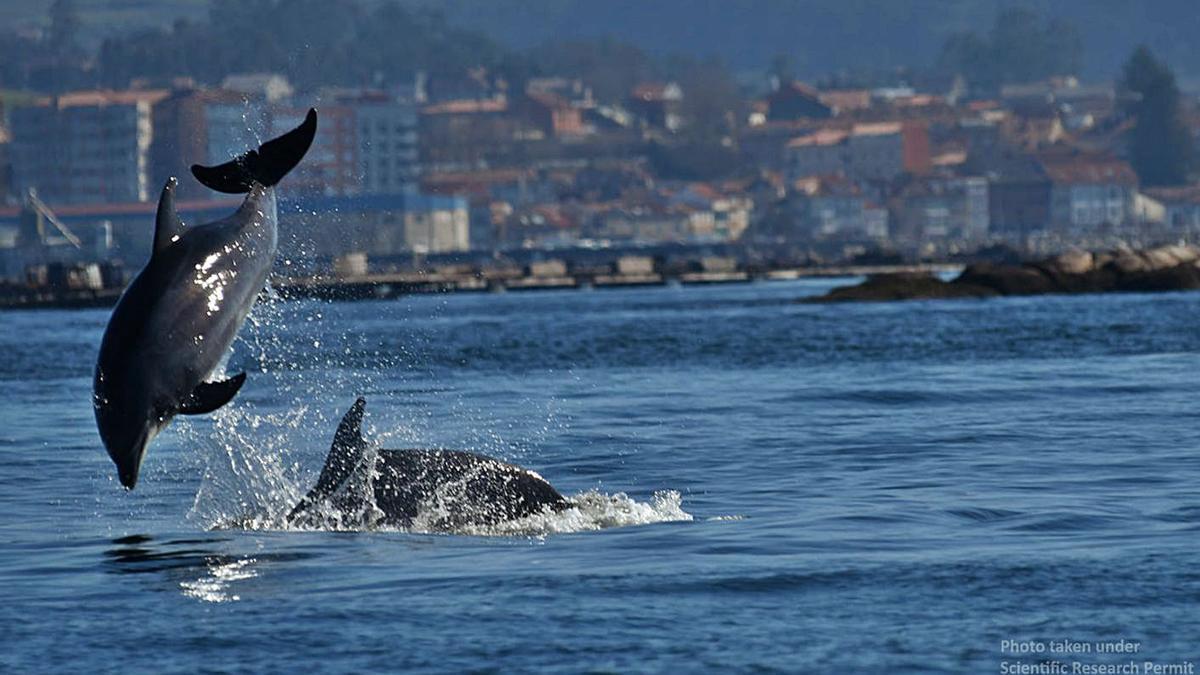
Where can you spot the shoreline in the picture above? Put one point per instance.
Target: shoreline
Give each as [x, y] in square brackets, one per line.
[1166, 268]
[388, 286]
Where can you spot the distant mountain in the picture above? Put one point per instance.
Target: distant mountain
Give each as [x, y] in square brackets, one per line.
[101, 18]
[820, 36]
[823, 36]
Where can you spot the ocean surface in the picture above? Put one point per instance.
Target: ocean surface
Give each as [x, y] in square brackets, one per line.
[762, 486]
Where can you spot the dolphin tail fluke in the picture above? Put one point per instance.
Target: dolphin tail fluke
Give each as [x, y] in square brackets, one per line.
[212, 395]
[266, 166]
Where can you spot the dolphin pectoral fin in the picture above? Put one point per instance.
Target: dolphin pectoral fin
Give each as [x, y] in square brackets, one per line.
[211, 395]
[167, 225]
[267, 165]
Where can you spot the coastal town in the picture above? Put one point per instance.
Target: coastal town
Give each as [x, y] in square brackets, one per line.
[471, 179]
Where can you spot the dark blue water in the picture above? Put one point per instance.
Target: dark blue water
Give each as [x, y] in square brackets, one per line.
[763, 486]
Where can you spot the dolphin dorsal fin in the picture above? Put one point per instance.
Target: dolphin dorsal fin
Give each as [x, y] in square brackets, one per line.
[167, 225]
[347, 449]
[349, 432]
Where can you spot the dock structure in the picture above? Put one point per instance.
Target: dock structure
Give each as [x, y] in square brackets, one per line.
[381, 286]
[79, 286]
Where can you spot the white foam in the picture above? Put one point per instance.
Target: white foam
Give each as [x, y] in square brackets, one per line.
[592, 510]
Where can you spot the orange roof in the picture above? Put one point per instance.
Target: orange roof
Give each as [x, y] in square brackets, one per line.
[547, 98]
[704, 190]
[482, 176]
[1186, 194]
[1089, 171]
[918, 100]
[847, 99]
[826, 185]
[127, 97]
[822, 137]
[950, 158]
[654, 91]
[876, 129]
[466, 106]
[554, 216]
[128, 208]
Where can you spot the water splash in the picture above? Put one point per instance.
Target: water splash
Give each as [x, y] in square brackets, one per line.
[353, 509]
[247, 472]
[253, 473]
[592, 510]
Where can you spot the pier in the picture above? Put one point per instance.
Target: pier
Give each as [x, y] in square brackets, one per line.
[379, 286]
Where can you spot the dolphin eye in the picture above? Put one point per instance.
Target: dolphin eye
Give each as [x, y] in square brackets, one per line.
[160, 413]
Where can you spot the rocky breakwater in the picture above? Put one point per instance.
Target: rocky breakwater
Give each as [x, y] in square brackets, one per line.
[1167, 268]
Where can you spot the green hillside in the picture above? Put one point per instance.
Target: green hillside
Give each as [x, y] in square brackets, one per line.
[819, 36]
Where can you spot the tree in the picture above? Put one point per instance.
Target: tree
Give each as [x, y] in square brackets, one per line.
[63, 36]
[1161, 148]
[611, 67]
[711, 102]
[782, 68]
[312, 42]
[1019, 48]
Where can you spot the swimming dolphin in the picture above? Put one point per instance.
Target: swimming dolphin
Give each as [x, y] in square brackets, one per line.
[175, 321]
[459, 488]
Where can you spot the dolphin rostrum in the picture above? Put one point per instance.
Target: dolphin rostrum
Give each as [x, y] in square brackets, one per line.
[456, 488]
[175, 321]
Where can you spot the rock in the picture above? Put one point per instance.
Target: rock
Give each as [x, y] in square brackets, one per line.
[1008, 279]
[1176, 278]
[1074, 262]
[1129, 262]
[1160, 258]
[1185, 253]
[1166, 268]
[903, 286]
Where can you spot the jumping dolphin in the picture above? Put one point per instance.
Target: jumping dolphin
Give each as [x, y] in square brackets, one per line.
[460, 488]
[174, 323]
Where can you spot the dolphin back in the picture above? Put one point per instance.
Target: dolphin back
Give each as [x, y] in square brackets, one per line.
[265, 166]
[455, 488]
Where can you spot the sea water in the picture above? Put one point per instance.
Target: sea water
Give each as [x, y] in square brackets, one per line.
[761, 485]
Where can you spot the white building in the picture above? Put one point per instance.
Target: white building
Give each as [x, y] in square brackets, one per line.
[1088, 193]
[937, 208]
[387, 146]
[86, 147]
[865, 151]
[269, 87]
[437, 230]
